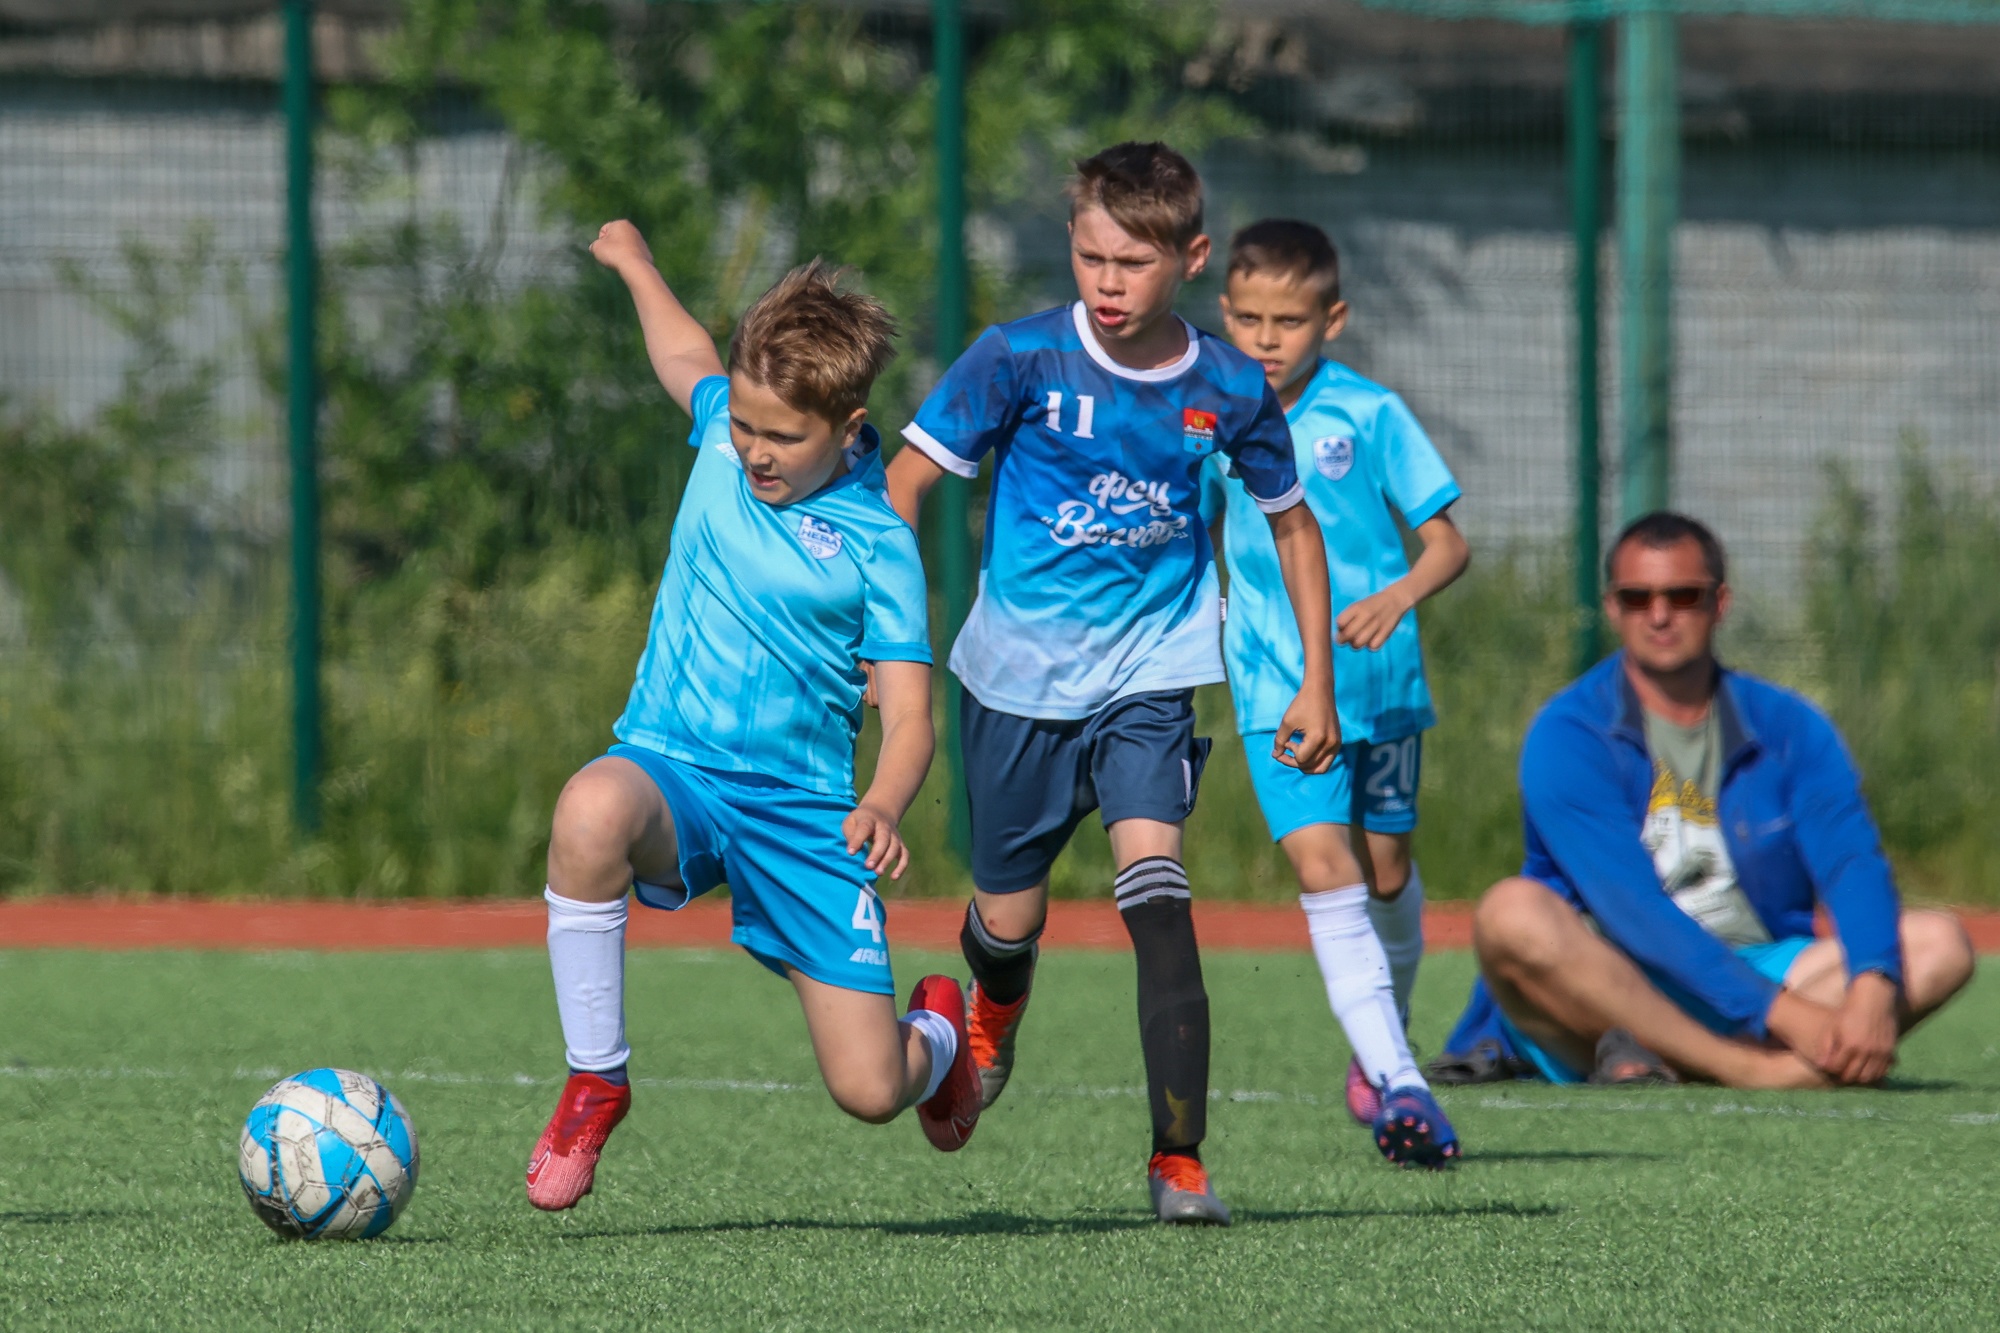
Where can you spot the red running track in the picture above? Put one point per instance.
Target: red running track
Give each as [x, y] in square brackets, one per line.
[179, 923]
[256, 925]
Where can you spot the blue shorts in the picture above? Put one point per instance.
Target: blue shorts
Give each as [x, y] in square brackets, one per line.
[1772, 961]
[1384, 802]
[798, 898]
[1030, 781]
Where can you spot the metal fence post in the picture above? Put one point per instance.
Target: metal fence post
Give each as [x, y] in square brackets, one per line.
[303, 413]
[1586, 187]
[954, 494]
[1649, 151]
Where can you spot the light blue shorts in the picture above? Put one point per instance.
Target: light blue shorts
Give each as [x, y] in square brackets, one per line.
[798, 898]
[1385, 801]
[1771, 961]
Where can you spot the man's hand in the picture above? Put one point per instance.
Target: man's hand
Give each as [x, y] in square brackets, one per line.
[1860, 1043]
[1369, 622]
[873, 828]
[1309, 734]
[619, 245]
[868, 695]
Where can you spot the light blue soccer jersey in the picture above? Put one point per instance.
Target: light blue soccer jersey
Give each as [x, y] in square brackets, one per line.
[765, 613]
[1362, 458]
[1097, 580]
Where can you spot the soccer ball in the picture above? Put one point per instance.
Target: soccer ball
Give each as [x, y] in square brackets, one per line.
[328, 1155]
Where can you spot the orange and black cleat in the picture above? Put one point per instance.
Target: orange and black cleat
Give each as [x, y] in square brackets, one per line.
[1181, 1192]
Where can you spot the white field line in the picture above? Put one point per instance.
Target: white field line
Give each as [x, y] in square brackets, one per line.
[1080, 1092]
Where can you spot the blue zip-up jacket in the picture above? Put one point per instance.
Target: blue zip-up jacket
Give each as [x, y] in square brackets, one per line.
[1791, 811]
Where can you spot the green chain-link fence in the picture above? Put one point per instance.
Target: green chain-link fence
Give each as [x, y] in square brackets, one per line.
[497, 477]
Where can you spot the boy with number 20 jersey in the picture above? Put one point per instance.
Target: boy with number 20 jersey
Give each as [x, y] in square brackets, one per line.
[1363, 460]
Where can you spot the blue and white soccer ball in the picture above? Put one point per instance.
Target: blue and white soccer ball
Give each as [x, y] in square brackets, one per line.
[328, 1155]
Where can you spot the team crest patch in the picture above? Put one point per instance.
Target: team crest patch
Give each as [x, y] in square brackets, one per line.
[1333, 455]
[1197, 430]
[817, 537]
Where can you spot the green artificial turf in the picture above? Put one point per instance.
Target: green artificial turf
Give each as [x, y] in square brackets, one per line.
[737, 1196]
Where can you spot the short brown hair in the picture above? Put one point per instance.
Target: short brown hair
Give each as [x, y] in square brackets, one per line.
[813, 344]
[1148, 189]
[1289, 248]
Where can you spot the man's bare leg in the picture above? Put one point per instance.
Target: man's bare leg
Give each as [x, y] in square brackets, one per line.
[1564, 987]
[1937, 964]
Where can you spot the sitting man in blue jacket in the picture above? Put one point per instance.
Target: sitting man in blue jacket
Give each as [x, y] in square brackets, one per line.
[1683, 821]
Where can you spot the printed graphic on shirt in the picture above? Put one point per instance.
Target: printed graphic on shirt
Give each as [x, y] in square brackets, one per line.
[1113, 495]
[1684, 838]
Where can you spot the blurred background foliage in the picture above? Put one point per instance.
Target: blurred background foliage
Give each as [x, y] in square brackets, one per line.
[500, 473]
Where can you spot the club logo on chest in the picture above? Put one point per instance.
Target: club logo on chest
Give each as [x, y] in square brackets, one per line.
[1333, 455]
[821, 539]
[1197, 430]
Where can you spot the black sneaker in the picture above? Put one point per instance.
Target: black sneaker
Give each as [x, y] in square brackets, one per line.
[1484, 1063]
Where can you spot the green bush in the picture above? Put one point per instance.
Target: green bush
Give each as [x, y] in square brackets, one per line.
[1904, 620]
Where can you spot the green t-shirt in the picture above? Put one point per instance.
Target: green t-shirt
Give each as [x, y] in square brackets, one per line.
[1684, 836]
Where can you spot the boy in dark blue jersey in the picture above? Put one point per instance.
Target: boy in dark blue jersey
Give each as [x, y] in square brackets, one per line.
[1098, 614]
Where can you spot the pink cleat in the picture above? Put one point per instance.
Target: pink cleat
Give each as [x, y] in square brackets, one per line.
[1364, 1099]
[565, 1160]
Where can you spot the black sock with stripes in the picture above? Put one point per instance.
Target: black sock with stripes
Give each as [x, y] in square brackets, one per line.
[1154, 901]
[1003, 968]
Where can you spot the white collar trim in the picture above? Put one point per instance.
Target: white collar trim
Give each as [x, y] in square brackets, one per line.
[1158, 374]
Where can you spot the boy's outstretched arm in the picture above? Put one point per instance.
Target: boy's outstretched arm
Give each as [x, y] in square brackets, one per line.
[1369, 622]
[1309, 734]
[682, 353]
[904, 691]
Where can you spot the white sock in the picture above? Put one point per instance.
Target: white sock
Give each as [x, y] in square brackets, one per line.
[1357, 985]
[942, 1038]
[1399, 924]
[587, 956]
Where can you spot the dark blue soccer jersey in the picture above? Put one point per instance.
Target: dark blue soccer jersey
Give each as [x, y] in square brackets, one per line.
[1097, 579]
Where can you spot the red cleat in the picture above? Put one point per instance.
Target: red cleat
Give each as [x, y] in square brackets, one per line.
[565, 1160]
[949, 1116]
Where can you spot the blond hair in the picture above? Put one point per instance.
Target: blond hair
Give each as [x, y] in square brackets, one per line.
[1147, 188]
[815, 345]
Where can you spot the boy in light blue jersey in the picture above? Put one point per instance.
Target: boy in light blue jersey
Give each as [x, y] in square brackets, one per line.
[1364, 461]
[1098, 613]
[735, 754]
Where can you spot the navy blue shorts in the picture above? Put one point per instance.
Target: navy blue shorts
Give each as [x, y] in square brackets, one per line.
[1030, 781]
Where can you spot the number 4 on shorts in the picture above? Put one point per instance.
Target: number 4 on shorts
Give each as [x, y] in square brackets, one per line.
[868, 914]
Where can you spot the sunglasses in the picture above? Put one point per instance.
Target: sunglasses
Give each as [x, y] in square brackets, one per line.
[1685, 597]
